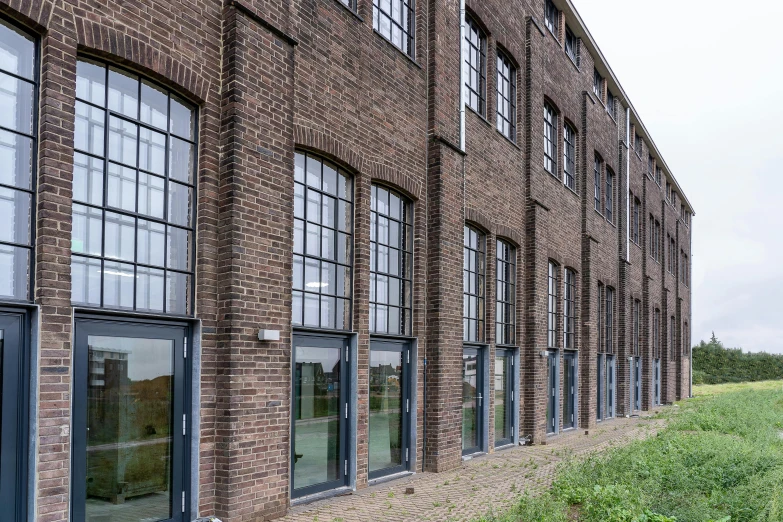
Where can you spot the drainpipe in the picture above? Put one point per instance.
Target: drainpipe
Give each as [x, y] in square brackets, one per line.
[461, 79]
[628, 184]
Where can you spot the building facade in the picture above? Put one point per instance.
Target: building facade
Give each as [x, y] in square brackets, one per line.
[262, 252]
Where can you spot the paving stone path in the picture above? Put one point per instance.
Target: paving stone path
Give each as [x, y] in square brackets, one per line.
[492, 481]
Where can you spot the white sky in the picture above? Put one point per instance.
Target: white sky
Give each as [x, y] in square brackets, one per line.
[707, 80]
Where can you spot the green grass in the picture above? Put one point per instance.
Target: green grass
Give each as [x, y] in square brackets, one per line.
[720, 458]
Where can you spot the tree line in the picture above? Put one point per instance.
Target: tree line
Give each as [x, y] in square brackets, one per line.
[713, 363]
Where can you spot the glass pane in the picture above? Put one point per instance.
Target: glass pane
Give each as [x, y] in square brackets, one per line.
[501, 391]
[150, 242]
[87, 230]
[182, 119]
[129, 435]
[149, 289]
[17, 51]
[180, 160]
[317, 409]
[180, 198]
[177, 293]
[123, 141]
[178, 248]
[87, 179]
[15, 212]
[14, 271]
[121, 191]
[386, 408]
[151, 195]
[88, 135]
[152, 151]
[117, 284]
[470, 410]
[16, 99]
[119, 242]
[91, 82]
[16, 153]
[85, 280]
[123, 93]
[154, 106]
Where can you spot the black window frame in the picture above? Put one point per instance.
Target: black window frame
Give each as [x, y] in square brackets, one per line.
[609, 337]
[569, 309]
[505, 330]
[597, 184]
[672, 337]
[407, 35]
[638, 144]
[598, 85]
[553, 329]
[550, 139]
[478, 277]
[27, 282]
[552, 18]
[609, 198]
[571, 46]
[569, 156]
[610, 104]
[404, 247]
[105, 207]
[471, 53]
[508, 104]
[636, 220]
[508, 354]
[637, 327]
[656, 334]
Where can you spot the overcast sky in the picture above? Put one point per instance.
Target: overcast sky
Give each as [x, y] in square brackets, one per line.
[706, 77]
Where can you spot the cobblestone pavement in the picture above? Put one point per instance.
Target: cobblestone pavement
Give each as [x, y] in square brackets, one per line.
[492, 481]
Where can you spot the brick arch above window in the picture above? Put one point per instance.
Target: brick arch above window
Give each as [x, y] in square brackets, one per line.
[324, 145]
[477, 219]
[116, 46]
[509, 235]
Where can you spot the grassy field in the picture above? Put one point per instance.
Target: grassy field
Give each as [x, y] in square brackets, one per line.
[720, 458]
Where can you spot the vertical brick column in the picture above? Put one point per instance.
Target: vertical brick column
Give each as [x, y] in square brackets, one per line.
[255, 237]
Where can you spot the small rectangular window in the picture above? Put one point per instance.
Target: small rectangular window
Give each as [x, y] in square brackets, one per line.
[571, 45]
[395, 20]
[552, 18]
[507, 98]
[658, 176]
[650, 165]
[638, 144]
[598, 85]
[610, 103]
[474, 50]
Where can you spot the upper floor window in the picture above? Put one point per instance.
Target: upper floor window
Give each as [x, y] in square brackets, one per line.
[674, 198]
[552, 306]
[474, 50]
[552, 18]
[684, 270]
[609, 195]
[569, 156]
[672, 254]
[658, 176]
[650, 165]
[685, 215]
[395, 20]
[655, 239]
[473, 282]
[638, 144]
[609, 337]
[18, 141]
[636, 220]
[391, 262]
[610, 103]
[350, 4]
[506, 294]
[598, 85]
[569, 310]
[571, 45]
[323, 260]
[507, 97]
[550, 139]
[133, 193]
[597, 166]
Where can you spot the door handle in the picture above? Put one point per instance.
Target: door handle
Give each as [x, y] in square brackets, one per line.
[479, 399]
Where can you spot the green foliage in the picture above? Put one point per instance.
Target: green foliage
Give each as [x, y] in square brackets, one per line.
[719, 460]
[714, 364]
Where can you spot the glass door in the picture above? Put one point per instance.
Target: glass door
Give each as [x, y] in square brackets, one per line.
[637, 377]
[472, 401]
[569, 389]
[657, 377]
[553, 381]
[13, 412]
[504, 397]
[611, 388]
[130, 436]
[320, 414]
[390, 406]
[600, 388]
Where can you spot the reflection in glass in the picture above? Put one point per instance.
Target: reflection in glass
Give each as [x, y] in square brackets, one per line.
[17, 51]
[470, 401]
[129, 428]
[16, 153]
[502, 387]
[317, 434]
[386, 408]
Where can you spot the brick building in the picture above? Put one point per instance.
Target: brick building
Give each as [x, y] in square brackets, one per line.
[261, 252]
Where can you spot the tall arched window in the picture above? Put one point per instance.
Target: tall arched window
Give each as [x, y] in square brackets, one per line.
[323, 260]
[133, 193]
[505, 323]
[473, 282]
[391, 262]
[550, 139]
[18, 136]
[552, 306]
[474, 52]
